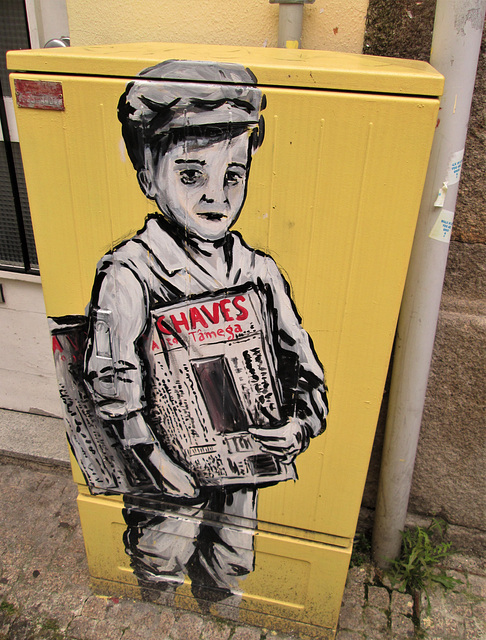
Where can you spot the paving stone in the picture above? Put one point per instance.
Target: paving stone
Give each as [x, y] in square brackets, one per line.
[188, 627]
[378, 597]
[351, 616]
[457, 602]
[349, 635]
[62, 603]
[386, 581]
[21, 628]
[246, 633]
[402, 626]
[132, 613]
[434, 604]
[4, 590]
[274, 635]
[359, 575]
[95, 607]
[466, 564]
[441, 624]
[375, 621]
[401, 603]
[107, 630]
[479, 610]
[475, 629]
[477, 585]
[154, 624]
[7, 617]
[83, 628]
[354, 593]
[216, 630]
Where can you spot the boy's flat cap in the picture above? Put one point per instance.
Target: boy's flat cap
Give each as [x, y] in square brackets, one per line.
[190, 94]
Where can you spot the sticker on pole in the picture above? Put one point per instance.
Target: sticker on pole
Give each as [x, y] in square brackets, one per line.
[442, 228]
[455, 166]
[39, 94]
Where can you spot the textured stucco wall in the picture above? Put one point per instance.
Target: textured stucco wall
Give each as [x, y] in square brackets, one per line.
[328, 24]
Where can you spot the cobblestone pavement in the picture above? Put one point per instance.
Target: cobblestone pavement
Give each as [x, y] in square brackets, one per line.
[45, 594]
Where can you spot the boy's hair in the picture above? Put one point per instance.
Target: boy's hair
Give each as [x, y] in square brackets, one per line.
[197, 100]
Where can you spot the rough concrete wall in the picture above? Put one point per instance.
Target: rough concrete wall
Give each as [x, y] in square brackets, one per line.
[449, 475]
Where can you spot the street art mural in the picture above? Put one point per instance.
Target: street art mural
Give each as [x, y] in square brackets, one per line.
[190, 382]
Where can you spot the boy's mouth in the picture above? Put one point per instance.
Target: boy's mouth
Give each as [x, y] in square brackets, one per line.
[211, 215]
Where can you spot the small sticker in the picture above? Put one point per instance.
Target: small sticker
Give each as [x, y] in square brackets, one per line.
[442, 228]
[455, 166]
[442, 194]
[39, 94]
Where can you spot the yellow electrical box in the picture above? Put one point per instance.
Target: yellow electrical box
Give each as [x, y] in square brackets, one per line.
[223, 237]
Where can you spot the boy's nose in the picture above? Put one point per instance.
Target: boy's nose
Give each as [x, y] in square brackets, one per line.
[214, 191]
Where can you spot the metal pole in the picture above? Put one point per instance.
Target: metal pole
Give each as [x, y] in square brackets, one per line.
[290, 19]
[455, 50]
[290, 24]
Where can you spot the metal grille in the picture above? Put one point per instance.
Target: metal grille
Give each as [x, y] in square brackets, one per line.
[17, 248]
[10, 244]
[14, 34]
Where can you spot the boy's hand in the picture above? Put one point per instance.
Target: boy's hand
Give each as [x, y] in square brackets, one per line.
[177, 483]
[285, 442]
[136, 435]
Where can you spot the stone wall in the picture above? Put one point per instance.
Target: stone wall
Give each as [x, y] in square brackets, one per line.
[449, 478]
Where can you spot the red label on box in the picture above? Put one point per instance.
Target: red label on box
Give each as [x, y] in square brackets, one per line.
[39, 94]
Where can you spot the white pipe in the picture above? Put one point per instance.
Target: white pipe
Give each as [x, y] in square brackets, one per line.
[290, 18]
[455, 50]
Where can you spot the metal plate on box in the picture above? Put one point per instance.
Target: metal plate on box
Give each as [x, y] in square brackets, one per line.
[39, 94]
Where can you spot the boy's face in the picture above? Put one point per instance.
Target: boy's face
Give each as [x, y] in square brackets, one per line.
[201, 186]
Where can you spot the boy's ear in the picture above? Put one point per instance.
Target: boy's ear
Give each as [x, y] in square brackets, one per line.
[146, 175]
[146, 183]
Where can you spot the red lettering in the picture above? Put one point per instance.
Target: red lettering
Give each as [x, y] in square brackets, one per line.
[155, 345]
[214, 317]
[56, 346]
[196, 316]
[237, 302]
[177, 323]
[74, 343]
[224, 304]
[161, 327]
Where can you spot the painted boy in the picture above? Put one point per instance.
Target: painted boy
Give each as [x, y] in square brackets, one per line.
[191, 129]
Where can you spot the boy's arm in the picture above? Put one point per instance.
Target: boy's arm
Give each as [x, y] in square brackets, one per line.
[300, 374]
[117, 318]
[113, 374]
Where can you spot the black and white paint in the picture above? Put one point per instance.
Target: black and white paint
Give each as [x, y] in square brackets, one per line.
[190, 383]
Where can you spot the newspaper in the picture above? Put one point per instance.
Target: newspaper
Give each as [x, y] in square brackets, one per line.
[106, 466]
[212, 375]
[209, 375]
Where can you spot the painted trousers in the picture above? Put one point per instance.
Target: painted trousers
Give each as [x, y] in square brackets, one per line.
[211, 542]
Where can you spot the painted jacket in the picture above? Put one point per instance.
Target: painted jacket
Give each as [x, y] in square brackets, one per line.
[153, 268]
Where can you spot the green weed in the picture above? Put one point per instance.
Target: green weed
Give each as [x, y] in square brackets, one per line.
[417, 568]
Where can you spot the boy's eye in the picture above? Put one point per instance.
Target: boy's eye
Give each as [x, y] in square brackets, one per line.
[233, 178]
[190, 176]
